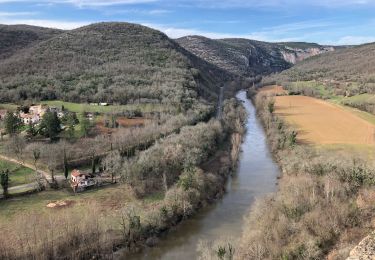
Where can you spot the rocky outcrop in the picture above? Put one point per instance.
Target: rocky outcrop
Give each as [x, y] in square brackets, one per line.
[296, 55]
[249, 57]
[365, 250]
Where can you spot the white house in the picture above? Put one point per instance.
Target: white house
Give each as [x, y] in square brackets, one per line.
[80, 181]
[29, 118]
[3, 114]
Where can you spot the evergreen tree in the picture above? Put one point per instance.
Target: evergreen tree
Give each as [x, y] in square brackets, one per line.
[12, 123]
[85, 126]
[66, 170]
[4, 179]
[50, 126]
[70, 124]
[31, 131]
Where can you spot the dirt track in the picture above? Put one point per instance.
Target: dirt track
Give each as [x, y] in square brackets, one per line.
[319, 122]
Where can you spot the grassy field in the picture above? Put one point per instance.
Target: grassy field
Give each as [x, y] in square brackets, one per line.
[18, 174]
[11, 107]
[106, 197]
[79, 108]
[317, 87]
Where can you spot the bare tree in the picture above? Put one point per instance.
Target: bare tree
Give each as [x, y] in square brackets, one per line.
[54, 157]
[35, 150]
[16, 146]
[112, 164]
[94, 147]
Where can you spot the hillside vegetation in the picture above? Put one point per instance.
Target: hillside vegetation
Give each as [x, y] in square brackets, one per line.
[16, 37]
[111, 62]
[346, 76]
[250, 58]
[350, 69]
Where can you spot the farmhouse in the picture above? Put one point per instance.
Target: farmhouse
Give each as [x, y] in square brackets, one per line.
[29, 118]
[39, 110]
[3, 113]
[80, 181]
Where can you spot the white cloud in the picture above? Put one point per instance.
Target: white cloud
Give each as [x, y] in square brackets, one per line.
[211, 3]
[270, 3]
[354, 40]
[15, 14]
[83, 3]
[174, 32]
[137, 11]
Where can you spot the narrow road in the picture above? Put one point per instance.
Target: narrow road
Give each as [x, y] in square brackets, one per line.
[220, 104]
[45, 174]
[21, 188]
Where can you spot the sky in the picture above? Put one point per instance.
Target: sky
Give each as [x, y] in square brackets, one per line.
[333, 22]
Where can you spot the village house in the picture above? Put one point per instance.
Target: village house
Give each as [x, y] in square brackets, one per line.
[35, 114]
[38, 110]
[90, 116]
[29, 118]
[80, 181]
[3, 113]
[61, 114]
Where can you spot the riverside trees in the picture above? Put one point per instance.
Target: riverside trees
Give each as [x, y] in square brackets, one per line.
[161, 165]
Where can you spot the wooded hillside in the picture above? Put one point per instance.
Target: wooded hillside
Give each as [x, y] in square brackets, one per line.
[16, 37]
[108, 62]
[354, 66]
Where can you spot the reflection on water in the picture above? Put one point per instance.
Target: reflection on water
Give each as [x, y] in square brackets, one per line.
[256, 176]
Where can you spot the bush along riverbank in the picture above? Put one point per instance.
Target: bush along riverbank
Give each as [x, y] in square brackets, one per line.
[158, 188]
[202, 159]
[323, 206]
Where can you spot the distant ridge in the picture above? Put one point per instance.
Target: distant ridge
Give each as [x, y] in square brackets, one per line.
[352, 64]
[16, 37]
[249, 57]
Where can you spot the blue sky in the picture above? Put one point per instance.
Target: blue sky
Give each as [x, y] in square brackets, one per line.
[323, 21]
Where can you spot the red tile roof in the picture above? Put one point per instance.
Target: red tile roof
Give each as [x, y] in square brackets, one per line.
[76, 173]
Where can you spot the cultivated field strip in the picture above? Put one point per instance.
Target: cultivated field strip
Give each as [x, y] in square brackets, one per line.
[320, 122]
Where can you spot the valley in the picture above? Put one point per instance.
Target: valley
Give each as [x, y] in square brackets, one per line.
[188, 148]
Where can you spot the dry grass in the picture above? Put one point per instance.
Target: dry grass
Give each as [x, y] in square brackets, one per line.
[122, 122]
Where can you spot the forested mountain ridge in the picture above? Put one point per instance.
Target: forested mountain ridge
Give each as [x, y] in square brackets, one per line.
[352, 63]
[249, 57]
[16, 37]
[111, 62]
[130, 63]
[351, 69]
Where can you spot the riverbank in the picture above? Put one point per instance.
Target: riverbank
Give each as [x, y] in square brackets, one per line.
[200, 236]
[159, 188]
[322, 207]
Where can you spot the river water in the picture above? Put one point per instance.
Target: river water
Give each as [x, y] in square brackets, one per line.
[256, 176]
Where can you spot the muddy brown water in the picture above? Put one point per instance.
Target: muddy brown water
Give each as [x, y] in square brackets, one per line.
[256, 176]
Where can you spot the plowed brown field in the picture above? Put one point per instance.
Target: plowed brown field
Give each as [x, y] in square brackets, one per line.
[320, 122]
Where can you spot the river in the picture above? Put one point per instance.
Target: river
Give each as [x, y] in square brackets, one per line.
[256, 176]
